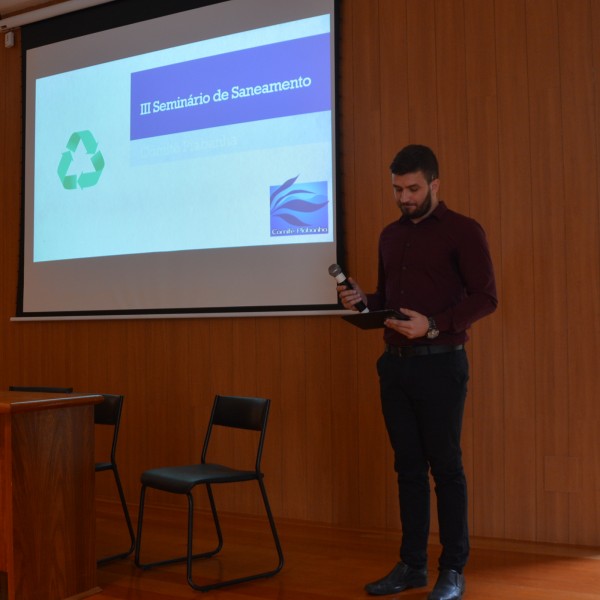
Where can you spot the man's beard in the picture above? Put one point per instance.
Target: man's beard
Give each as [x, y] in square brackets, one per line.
[420, 211]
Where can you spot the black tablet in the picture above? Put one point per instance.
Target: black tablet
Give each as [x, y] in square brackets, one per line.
[375, 319]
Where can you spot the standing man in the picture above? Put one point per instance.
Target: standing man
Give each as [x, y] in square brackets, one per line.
[435, 267]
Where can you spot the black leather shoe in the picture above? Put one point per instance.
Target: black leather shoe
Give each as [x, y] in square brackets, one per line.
[450, 585]
[401, 577]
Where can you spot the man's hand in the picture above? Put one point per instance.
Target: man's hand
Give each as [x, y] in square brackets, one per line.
[349, 298]
[416, 327]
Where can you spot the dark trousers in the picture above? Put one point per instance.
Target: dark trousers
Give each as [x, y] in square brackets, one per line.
[423, 399]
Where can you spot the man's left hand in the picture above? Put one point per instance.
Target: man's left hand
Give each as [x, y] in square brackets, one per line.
[416, 327]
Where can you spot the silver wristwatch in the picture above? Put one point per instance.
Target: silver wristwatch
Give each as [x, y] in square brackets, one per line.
[433, 330]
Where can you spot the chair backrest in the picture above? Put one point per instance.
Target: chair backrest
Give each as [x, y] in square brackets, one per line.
[239, 412]
[40, 388]
[108, 412]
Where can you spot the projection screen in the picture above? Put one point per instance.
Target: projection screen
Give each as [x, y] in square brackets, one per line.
[180, 164]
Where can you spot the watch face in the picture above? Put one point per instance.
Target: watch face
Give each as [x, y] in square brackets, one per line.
[433, 331]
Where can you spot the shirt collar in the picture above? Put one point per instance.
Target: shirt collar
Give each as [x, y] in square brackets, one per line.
[440, 210]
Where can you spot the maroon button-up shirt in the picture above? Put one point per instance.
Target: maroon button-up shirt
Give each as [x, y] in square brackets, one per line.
[440, 267]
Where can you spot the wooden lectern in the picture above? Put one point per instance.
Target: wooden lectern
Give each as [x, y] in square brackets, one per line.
[47, 510]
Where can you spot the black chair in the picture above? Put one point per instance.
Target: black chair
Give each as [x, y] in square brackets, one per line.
[40, 388]
[108, 413]
[228, 411]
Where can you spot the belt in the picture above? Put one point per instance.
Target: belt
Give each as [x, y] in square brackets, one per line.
[407, 351]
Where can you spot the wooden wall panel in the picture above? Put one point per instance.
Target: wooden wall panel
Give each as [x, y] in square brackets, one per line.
[319, 394]
[592, 447]
[505, 91]
[580, 135]
[517, 255]
[293, 411]
[421, 67]
[486, 386]
[551, 377]
[345, 424]
[452, 134]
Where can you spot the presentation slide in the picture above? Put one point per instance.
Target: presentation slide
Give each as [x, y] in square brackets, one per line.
[195, 174]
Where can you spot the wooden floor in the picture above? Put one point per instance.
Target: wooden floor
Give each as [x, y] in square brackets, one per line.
[322, 562]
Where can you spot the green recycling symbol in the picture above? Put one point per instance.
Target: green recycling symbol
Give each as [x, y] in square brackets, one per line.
[86, 179]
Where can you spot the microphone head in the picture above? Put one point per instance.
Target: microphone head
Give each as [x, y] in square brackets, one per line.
[335, 270]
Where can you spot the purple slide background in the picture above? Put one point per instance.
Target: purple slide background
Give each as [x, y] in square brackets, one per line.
[305, 57]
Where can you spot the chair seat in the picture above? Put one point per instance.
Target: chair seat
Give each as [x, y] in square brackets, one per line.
[181, 479]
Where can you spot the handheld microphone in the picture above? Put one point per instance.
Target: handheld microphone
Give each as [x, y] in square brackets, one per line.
[336, 271]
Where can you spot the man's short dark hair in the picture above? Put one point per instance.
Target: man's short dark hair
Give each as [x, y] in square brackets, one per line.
[415, 158]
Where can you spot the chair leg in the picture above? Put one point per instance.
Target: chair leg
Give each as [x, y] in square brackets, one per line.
[190, 538]
[106, 559]
[138, 537]
[188, 557]
[213, 509]
[206, 588]
[265, 498]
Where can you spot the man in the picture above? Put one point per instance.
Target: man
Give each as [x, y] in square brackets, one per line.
[435, 268]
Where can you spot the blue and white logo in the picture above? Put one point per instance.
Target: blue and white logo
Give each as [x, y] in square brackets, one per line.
[299, 208]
